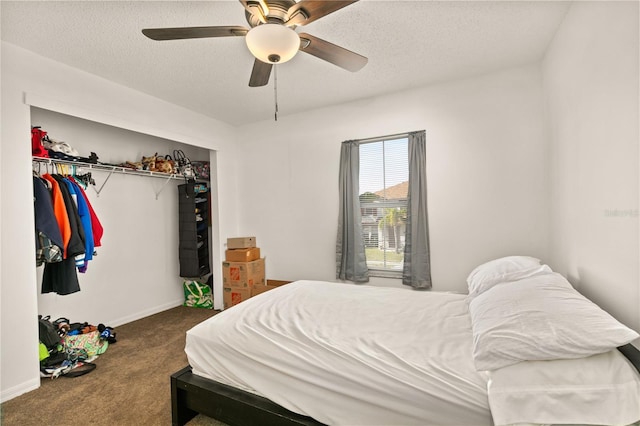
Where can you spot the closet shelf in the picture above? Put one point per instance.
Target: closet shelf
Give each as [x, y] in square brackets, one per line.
[111, 169]
[108, 168]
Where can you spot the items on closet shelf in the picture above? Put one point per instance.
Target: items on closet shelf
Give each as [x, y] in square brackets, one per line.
[153, 163]
[201, 169]
[67, 231]
[179, 164]
[37, 148]
[183, 163]
[44, 147]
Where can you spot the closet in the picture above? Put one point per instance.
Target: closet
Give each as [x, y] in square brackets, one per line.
[136, 271]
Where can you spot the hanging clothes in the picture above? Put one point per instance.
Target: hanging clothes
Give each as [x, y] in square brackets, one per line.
[91, 222]
[76, 241]
[48, 238]
[85, 221]
[96, 227]
[83, 211]
[60, 212]
[67, 228]
[62, 277]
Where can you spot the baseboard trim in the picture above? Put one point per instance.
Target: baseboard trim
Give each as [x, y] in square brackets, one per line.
[143, 314]
[20, 389]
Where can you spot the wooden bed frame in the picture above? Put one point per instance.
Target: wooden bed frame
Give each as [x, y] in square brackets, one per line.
[192, 395]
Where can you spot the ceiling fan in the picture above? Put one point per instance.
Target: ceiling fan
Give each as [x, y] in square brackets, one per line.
[272, 38]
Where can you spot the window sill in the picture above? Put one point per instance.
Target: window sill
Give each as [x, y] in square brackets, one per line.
[381, 273]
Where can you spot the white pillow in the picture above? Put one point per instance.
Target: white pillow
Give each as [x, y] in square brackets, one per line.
[510, 268]
[540, 318]
[564, 391]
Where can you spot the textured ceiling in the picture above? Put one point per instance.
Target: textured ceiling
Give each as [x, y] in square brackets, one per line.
[408, 43]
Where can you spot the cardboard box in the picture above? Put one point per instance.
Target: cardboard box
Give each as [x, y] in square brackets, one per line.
[233, 296]
[241, 242]
[242, 255]
[270, 285]
[243, 274]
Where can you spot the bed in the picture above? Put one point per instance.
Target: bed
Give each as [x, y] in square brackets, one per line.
[311, 353]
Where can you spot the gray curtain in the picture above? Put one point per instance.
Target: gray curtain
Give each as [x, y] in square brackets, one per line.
[416, 271]
[351, 262]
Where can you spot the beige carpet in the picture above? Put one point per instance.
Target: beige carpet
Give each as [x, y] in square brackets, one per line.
[130, 386]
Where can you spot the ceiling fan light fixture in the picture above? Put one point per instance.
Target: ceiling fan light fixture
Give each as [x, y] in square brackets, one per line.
[273, 43]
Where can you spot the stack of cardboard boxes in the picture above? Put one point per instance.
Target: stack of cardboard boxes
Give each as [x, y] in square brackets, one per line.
[242, 270]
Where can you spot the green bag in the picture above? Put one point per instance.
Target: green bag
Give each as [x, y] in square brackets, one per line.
[197, 295]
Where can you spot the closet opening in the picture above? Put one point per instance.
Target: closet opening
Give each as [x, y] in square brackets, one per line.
[135, 272]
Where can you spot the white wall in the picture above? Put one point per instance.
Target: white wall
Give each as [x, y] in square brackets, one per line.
[486, 175]
[28, 79]
[591, 84]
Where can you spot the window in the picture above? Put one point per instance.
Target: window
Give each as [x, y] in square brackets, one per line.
[384, 182]
[392, 239]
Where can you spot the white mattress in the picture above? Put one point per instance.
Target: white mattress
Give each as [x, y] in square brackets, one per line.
[349, 355]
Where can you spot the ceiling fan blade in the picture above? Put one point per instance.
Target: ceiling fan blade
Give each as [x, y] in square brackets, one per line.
[260, 74]
[193, 32]
[329, 52]
[307, 11]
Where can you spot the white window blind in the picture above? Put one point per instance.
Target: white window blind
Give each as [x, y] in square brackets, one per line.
[384, 181]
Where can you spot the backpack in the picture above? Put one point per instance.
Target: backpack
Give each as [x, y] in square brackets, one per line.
[37, 149]
[48, 333]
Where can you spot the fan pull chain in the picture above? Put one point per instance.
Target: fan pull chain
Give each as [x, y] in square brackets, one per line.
[275, 90]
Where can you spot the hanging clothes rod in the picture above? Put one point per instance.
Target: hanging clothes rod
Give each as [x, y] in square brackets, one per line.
[111, 170]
